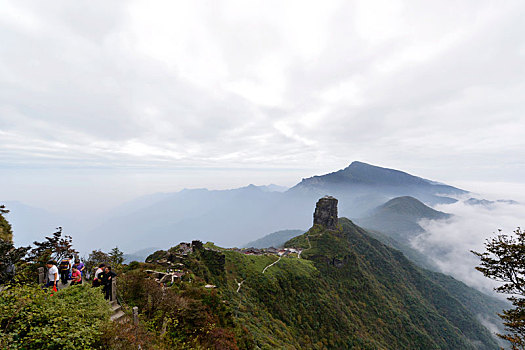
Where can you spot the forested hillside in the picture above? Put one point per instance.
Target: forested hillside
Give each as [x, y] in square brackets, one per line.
[346, 290]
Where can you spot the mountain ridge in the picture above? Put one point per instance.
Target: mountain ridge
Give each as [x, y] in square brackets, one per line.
[335, 288]
[328, 255]
[200, 213]
[360, 172]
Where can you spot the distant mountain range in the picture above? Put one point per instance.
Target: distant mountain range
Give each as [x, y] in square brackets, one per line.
[238, 216]
[350, 287]
[234, 217]
[275, 239]
[139, 255]
[388, 203]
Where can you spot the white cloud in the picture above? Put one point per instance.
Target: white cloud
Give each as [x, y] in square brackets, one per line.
[430, 88]
[449, 242]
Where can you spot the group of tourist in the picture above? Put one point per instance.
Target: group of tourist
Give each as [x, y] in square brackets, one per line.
[66, 271]
[74, 272]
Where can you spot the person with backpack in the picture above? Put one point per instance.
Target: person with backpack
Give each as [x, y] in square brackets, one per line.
[64, 268]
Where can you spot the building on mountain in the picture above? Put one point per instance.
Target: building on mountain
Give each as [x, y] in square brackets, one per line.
[184, 248]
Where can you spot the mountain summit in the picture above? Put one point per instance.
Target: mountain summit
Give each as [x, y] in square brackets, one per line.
[362, 186]
[359, 173]
[325, 213]
[399, 218]
[409, 207]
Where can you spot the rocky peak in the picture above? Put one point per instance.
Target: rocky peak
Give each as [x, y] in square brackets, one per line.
[326, 212]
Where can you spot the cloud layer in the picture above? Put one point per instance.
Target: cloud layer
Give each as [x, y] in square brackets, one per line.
[449, 242]
[424, 87]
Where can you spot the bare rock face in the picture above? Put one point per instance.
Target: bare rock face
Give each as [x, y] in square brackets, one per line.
[326, 212]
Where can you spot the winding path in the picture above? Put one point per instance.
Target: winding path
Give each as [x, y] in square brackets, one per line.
[309, 244]
[239, 284]
[275, 262]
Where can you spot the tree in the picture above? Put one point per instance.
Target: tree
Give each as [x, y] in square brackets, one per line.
[10, 258]
[116, 257]
[95, 258]
[55, 248]
[504, 261]
[6, 233]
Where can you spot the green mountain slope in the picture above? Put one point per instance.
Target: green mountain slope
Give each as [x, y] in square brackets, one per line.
[399, 217]
[411, 207]
[403, 289]
[347, 290]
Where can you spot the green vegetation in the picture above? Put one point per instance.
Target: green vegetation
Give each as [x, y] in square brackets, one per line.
[115, 259]
[399, 217]
[10, 259]
[73, 318]
[382, 300]
[6, 233]
[347, 290]
[55, 247]
[184, 316]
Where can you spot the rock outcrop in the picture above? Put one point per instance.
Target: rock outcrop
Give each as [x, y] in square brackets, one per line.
[326, 212]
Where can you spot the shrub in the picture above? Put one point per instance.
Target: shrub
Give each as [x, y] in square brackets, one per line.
[73, 318]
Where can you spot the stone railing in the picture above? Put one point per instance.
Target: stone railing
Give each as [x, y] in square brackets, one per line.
[113, 289]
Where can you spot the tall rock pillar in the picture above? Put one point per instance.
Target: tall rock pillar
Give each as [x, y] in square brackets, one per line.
[326, 212]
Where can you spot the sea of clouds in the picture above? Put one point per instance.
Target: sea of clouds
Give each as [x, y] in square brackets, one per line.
[449, 242]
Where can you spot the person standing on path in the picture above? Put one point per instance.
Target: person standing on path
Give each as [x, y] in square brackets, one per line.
[96, 278]
[107, 281]
[52, 274]
[64, 268]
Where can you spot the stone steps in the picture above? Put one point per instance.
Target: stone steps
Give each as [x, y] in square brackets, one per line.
[118, 314]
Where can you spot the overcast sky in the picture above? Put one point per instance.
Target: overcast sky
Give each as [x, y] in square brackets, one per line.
[112, 99]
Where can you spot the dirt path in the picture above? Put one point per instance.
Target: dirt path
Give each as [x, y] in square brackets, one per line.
[309, 247]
